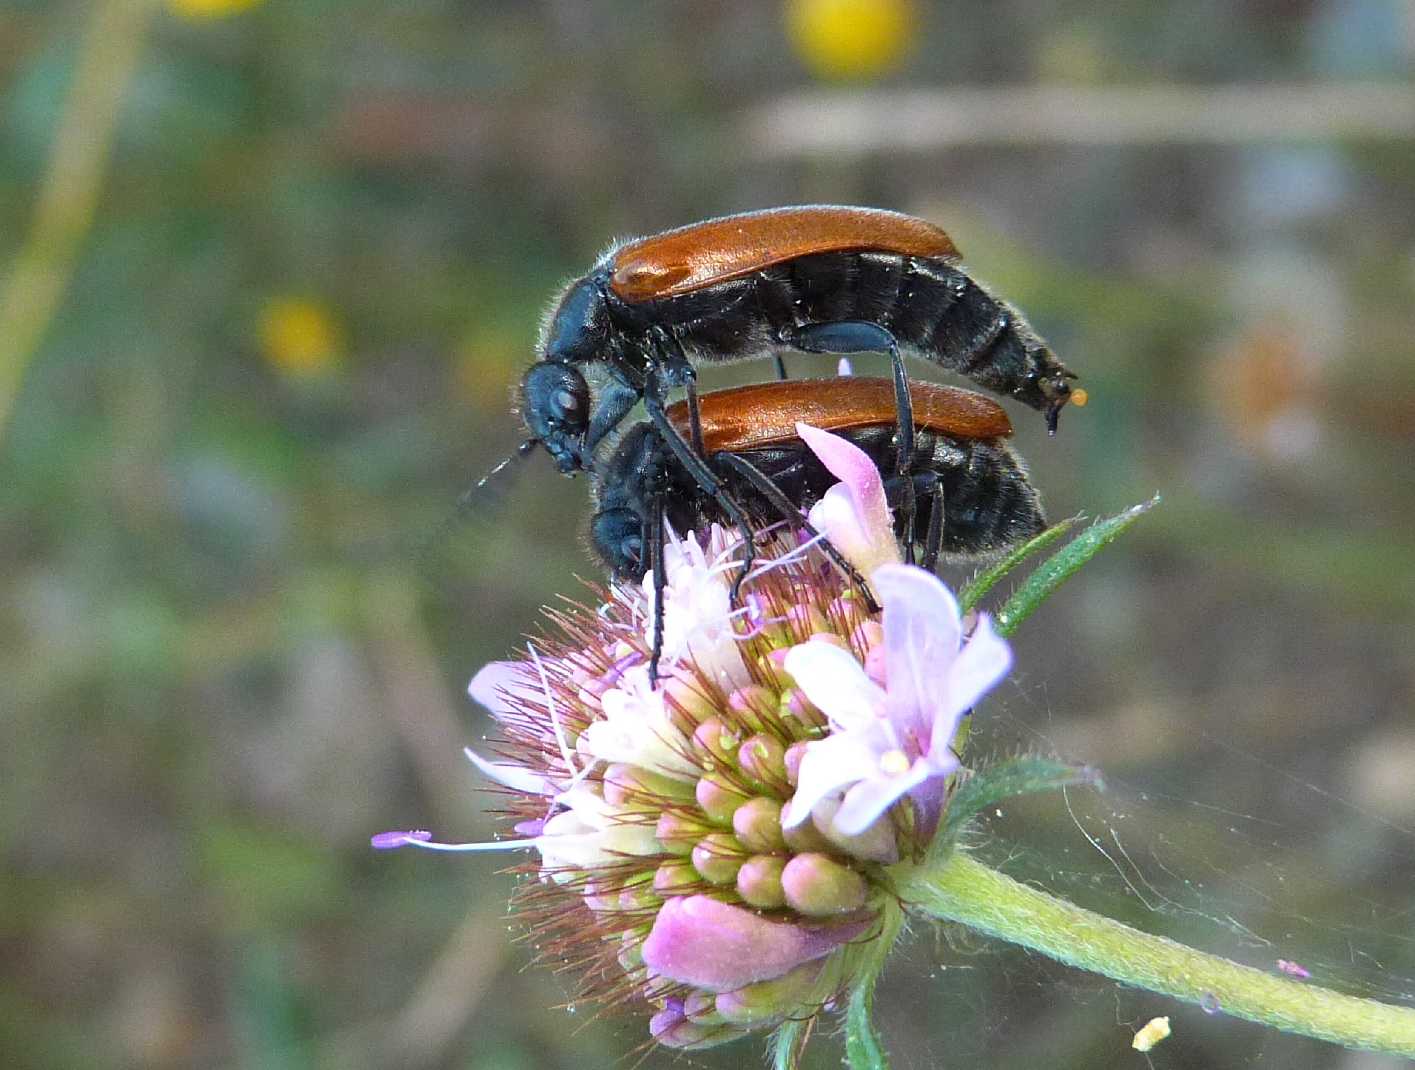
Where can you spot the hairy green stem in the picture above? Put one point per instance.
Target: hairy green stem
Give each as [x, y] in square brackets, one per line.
[960, 889]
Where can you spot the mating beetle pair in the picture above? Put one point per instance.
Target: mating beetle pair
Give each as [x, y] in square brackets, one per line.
[816, 279]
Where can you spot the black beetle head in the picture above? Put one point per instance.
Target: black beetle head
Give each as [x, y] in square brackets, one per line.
[555, 404]
[618, 536]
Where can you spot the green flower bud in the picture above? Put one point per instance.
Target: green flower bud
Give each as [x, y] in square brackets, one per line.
[755, 705]
[687, 696]
[818, 886]
[763, 759]
[719, 798]
[769, 1001]
[713, 739]
[718, 857]
[678, 832]
[640, 897]
[631, 953]
[701, 1007]
[633, 785]
[675, 878]
[759, 882]
[806, 837]
[794, 754]
[795, 706]
[757, 823]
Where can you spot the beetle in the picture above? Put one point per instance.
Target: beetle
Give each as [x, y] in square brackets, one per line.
[964, 476]
[814, 278]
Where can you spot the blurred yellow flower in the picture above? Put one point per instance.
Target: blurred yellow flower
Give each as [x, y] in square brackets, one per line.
[299, 336]
[209, 9]
[851, 39]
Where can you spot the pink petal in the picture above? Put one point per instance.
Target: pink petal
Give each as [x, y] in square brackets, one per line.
[860, 477]
[921, 634]
[709, 944]
[831, 764]
[984, 660]
[515, 777]
[835, 682]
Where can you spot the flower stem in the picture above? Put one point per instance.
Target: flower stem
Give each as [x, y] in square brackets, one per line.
[960, 889]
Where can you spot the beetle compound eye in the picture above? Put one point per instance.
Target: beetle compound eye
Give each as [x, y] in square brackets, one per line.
[618, 535]
[568, 405]
[555, 400]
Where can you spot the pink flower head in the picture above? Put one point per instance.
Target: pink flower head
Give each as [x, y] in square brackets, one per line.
[853, 514]
[896, 740]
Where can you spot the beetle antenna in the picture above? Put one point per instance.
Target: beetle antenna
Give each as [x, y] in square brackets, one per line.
[491, 486]
[487, 491]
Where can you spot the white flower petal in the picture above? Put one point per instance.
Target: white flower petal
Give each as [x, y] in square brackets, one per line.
[836, 683]
[590, 833]
[500, 681]
[982, 663]
[830, 764]
[515, 777]
[867, 801]
[921, 634]
[636, 729]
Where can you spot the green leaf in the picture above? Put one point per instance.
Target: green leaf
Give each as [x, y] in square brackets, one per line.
[863, 1049]
[1064, 564]
[973, 593]
[1006, 779]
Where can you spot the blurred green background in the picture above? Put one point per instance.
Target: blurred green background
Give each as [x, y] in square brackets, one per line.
[268, 274]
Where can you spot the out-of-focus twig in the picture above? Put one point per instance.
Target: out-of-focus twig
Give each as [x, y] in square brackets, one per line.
[70, 187]
[861, 122]
[438, 1008]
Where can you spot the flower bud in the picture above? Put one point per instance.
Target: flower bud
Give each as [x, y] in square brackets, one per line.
[713, 739]
[794, 754]
[806, 837]
[675, 878]
[639, 897]
[818, 886]
[673, 1030]
[701, 1007]
[795, 705]
[633, 785]
[688, 697]
[718, 797]
[769, 1001]
[754, 705]
[678, 832]
[759, 882]
[757, 823]
[718, 857]
[763, 759]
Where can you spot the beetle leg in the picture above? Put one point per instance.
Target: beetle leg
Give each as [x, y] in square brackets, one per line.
[675, 369]
[610, 408]
[862, 336]
[702, 476]
[933, 538]
[789, 511]
[654, 544]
